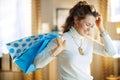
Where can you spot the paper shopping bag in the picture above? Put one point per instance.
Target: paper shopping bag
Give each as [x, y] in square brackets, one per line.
[23, 51]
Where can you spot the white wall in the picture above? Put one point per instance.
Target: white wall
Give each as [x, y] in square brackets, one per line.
[48, 9]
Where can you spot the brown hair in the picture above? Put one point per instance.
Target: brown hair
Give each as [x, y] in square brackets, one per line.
[81, 9]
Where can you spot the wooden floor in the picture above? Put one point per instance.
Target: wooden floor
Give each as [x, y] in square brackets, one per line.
[11, 76]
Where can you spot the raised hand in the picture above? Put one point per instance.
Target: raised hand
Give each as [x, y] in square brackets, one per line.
[99, 23]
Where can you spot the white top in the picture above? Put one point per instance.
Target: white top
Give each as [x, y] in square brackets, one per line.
[71, 64]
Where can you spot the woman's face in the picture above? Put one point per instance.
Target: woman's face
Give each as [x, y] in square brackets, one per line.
[84, 26]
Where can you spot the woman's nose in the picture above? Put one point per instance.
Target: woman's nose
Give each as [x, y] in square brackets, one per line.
[88, 29]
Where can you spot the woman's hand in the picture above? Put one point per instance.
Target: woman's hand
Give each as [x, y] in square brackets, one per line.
[61, 43]
[60, 47]
[99, 23]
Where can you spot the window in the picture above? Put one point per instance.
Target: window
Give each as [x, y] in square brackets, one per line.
[114, 11]
[15, 21]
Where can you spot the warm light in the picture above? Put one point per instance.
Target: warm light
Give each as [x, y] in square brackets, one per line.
[45, 28]
[114, 10]
[118, 30]
[15, 21]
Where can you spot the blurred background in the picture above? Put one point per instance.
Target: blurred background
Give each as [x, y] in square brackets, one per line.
[21, 18]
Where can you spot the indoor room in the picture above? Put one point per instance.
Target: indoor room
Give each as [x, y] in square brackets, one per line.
[27, 18]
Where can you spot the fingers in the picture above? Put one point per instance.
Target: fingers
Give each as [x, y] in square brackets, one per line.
[61, 34]
[64, 43]
[99, 17]
[61, 46]
[60, 42]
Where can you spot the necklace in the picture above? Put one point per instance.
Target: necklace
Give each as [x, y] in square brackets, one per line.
[79, 46]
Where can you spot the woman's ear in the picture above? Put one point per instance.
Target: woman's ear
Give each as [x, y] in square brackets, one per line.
[76, 19]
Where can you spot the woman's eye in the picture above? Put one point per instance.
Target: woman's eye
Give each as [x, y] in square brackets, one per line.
[87, 24]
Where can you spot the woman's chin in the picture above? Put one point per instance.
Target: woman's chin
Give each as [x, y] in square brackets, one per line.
[86, 34]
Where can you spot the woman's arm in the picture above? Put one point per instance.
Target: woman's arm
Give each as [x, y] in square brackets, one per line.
[44, 57]
[49, 53]
[107, 48]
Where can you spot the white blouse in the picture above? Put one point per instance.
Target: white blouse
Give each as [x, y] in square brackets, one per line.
[71, 64]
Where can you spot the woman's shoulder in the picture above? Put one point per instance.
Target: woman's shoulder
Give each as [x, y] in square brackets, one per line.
[66, 36]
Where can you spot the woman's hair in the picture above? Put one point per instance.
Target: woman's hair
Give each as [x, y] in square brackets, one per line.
[81, 9]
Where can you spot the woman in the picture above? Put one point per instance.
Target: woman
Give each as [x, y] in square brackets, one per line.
[74, 50]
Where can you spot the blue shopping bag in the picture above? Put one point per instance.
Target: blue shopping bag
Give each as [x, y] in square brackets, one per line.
[23, 51]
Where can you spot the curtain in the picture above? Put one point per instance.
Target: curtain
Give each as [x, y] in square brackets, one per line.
[15, 21]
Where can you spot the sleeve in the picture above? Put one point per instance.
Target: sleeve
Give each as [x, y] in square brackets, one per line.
[45, 58]
[105, 49]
